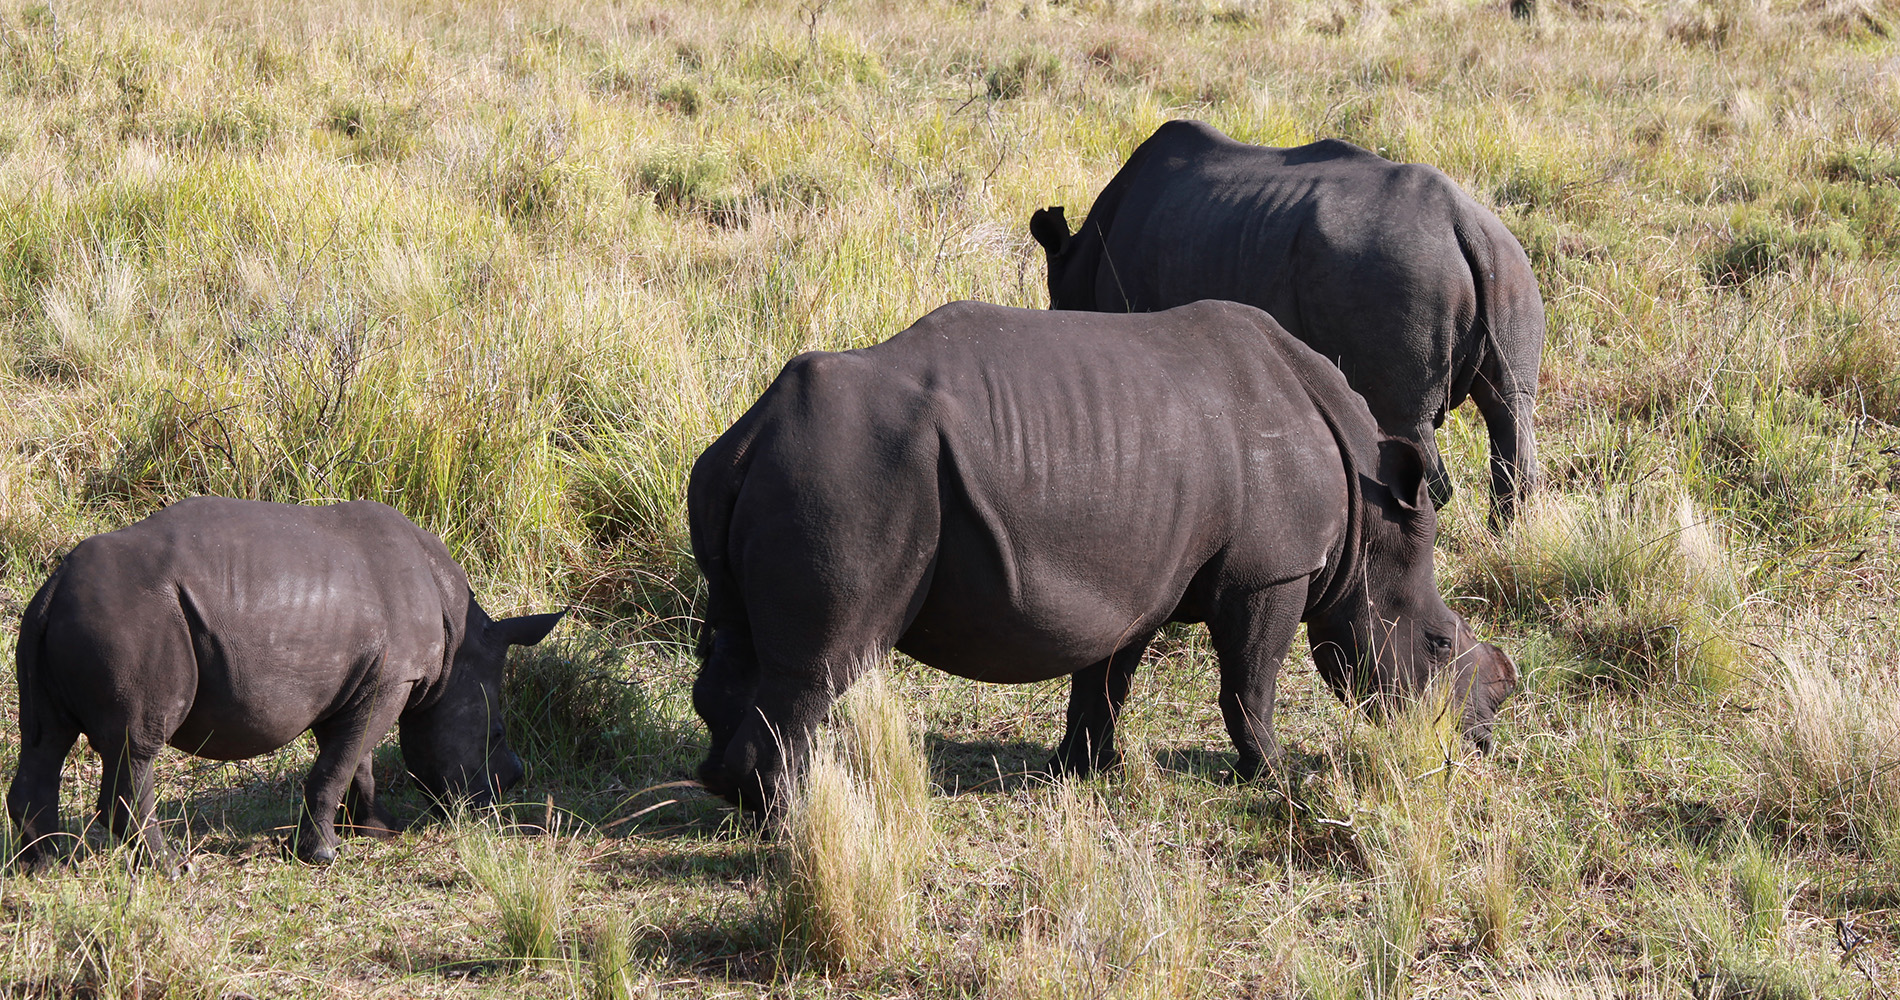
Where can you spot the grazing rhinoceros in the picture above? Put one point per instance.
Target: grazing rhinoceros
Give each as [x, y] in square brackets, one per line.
[228, 627]
[1013, 495]
[1417, 293]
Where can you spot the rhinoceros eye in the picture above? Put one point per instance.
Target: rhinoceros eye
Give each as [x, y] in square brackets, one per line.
[1441, 646]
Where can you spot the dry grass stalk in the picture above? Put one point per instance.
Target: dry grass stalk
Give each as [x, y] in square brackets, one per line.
[856, 835]
[1829, 757]
[1106, 917]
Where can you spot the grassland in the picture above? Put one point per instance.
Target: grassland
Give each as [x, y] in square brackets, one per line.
[509, 268]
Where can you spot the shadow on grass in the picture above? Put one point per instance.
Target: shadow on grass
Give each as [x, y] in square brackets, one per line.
[1206, 765]
[962, 767]
[257, 809]
[726, 930]
[736, 948]
[984, 766]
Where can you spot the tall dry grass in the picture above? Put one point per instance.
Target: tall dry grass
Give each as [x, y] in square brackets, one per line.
[530, 881]
[1827, 754]
[1104, 915]
[1641, 588]
[856, 835]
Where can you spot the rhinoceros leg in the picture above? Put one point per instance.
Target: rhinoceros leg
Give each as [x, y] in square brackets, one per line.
[362, 810]
[808, 652]
[127, 798]
[1508, 421]
[828, 580]
[1438, 481]
[344, 741]
[33, 798]
[723, 694]
[1096, 695]
[1251, 635]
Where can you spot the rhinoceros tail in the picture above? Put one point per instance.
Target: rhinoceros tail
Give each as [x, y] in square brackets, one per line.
[712, 493]
[1510, 329]
[26, 658]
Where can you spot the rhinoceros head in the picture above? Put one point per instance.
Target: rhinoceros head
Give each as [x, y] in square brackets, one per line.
[1389, 635]
[457, 745]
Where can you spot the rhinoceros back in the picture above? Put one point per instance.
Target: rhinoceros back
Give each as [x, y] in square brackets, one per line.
[1092, 468]
[228, 627]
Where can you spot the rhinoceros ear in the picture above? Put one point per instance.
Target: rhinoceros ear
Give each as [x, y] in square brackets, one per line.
[1050, 229]
[525, 630]
[1402, 470]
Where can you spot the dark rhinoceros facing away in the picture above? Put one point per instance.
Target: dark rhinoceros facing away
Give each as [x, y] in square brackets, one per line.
[226, 628]
[1013, 495]
[1415, 291]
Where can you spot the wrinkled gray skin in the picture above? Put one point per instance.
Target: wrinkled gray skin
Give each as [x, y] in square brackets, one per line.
[1415, 291]
[1014, 495]
[228, 627]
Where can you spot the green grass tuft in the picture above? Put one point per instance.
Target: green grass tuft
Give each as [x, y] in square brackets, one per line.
[1760, 246]
[1642, 590]
[529, 879]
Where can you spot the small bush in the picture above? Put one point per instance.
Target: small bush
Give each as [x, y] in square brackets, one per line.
[523, 172]
[808, 187]
[817, 63]
[1737, 188]
[246, 126]
[1534, 187]
[680, 97]
[1861, 165]
[1710, 23]
[1765, 246]
[617, 80]
[1027, 72]
[1870, 214]
[1125, 59]
[689, 181]
[377, 130]
[1854, 20]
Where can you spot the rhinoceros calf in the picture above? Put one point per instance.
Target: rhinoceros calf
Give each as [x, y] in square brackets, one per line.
[1415, 291]
[1014, 495]
[228, 627]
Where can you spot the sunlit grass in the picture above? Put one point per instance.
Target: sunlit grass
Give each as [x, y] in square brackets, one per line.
[856, 836]
[510, 270]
